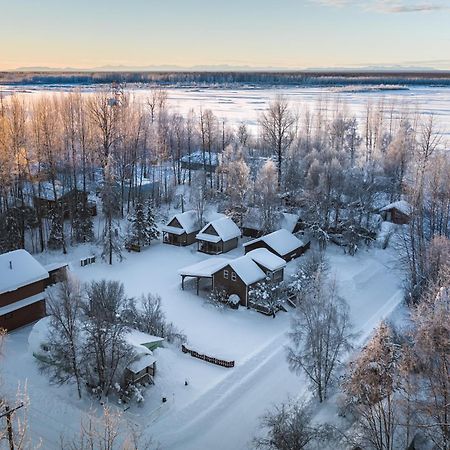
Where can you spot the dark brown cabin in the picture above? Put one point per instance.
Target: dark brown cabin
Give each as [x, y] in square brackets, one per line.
[22, 285]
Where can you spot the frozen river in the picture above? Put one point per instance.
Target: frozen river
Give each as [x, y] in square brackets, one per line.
[244, 104]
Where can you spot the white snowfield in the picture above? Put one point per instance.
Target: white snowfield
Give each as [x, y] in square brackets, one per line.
[220, 407]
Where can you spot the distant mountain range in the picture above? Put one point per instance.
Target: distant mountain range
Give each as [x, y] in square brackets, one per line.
[228, 68]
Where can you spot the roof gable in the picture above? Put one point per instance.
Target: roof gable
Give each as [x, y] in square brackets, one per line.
[225, 228]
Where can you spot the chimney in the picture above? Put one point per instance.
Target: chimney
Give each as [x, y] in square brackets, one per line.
[10, 265]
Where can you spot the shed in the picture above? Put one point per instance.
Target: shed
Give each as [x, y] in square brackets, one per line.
[219, 236]
[181, 229]
[397, 212]
[281, 242]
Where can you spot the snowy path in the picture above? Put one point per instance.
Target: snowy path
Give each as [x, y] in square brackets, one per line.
[227, 417]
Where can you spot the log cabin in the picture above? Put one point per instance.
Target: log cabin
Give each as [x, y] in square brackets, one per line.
[22, 284]
[219, 236]
[181, 229]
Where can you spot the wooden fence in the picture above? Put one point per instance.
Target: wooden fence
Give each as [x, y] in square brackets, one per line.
[210, 359]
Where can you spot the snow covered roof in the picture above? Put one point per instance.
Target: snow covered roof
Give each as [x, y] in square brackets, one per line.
[225, 228]
[17, 269]
[288, 221]
[137, 338]
[267, 259]
[188, 221]
[402, 205]
[21, 303]
[205, 268]
[55, 266]
[141, 363]
[197, 157]
[247, 270]
[282, 241]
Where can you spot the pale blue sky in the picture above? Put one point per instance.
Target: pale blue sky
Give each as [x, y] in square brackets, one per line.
[281, 33]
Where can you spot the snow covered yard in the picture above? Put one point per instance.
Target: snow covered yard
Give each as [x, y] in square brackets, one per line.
[215, 399]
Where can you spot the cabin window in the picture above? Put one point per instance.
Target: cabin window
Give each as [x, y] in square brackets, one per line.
[225, 274]
[233, 276]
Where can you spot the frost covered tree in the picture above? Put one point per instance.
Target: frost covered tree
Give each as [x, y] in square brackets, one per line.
[370, 386]
[111, 238]
[267, 294]
[428, 368]
[64, 306]
[218, 298]
[266, 194]
[105, 351]
[110, 431]
[278, 130]
[147, 315]
[319, 335]
[288, 426]
[303, 280]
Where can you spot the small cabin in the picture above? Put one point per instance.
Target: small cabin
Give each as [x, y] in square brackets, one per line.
[397, 212]
[237, 277]
[281, 242]
[142, 368]
[181, 229]
[22, 284]
[218, 236]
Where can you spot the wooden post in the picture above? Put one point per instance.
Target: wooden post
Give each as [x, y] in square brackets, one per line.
[198, 282]
[182, 282]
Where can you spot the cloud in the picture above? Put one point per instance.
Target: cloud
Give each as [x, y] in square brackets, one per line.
[391, 6]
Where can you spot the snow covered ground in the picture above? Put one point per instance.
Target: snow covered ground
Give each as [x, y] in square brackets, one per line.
[220, 407]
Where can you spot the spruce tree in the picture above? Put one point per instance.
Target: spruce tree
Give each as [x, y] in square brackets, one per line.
[10, 236]
[138, 231]
[56, 238]
[152, 231]
[83, 228]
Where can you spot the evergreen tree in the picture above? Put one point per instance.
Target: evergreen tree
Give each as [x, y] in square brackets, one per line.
[9, 233]
[138, 231]
[151, 229]
[56, 238]
[83, 228]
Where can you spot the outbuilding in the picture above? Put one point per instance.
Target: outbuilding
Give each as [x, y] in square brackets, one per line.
[219, 236]
[281, 242]
[397, 212]
[181, 229]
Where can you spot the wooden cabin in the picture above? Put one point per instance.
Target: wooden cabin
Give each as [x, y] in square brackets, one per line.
[281, 242]
[397, 212]
[22, 284]
[218, 236]
[237, 277]
[181, 229]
